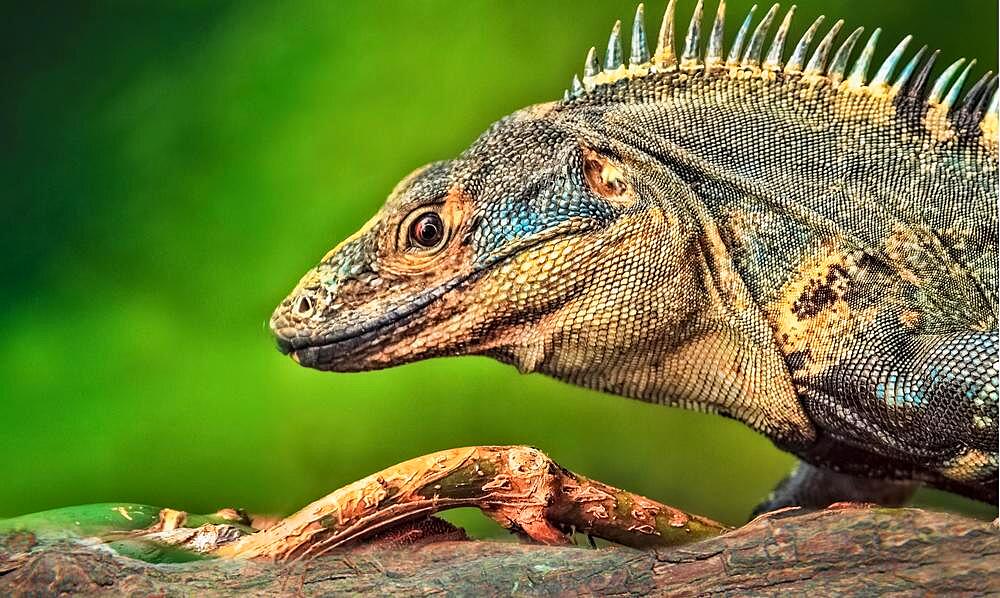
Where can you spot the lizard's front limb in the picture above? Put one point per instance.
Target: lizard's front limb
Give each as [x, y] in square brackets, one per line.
[926, 404]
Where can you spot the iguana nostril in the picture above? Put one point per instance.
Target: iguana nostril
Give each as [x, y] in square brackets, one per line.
[304, 306]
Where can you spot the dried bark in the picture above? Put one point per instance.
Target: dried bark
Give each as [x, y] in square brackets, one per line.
[519, 487]
[831, 552]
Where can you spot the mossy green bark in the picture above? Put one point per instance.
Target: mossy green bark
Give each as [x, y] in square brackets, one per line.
[117, 526]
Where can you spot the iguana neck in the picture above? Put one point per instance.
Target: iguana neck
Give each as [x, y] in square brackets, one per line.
[774, 192]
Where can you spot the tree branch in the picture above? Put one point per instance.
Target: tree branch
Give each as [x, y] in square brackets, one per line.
[519, 487]
[376, 534]
[831, 552]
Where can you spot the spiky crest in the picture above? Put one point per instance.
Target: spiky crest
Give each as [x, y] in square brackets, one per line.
[690, 55]
[884, 73]
[799, 53]
[734, 54]
[713, 54]
[856, 80]
[640, 50]
[817, 64]
[907, 72]
[751, 57]
[773, 60]
[979, 104]
[839, 64]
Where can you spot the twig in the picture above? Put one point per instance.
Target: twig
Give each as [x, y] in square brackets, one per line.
[519, 487]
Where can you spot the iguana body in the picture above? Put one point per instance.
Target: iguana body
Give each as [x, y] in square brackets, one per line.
[796, 246]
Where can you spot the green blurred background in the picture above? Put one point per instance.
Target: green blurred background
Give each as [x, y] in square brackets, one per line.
[169, 170]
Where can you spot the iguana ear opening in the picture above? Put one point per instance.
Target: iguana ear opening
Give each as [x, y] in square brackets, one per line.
[606, 179]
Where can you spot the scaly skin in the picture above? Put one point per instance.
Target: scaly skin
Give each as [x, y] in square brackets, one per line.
[813, 258]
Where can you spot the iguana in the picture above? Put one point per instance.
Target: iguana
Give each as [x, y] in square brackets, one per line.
[791, 243]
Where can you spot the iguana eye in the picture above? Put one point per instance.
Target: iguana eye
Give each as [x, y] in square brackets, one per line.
[426, 230]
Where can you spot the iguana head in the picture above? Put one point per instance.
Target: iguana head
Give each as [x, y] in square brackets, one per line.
[481, 254]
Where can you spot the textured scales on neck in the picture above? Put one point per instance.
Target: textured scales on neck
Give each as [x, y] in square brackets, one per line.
[947, 112]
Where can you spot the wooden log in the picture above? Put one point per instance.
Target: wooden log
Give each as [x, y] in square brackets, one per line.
[905, 552]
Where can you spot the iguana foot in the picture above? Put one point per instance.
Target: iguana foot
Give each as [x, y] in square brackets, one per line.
[814, 487]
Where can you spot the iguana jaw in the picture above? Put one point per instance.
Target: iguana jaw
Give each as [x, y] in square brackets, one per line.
[344, 349]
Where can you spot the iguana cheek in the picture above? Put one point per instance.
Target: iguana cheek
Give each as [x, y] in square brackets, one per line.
[536, 278]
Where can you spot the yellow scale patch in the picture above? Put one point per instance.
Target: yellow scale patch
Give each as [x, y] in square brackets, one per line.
[968, 465]
[811, 313]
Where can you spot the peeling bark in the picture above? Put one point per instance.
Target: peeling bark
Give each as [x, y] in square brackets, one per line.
[519, 487]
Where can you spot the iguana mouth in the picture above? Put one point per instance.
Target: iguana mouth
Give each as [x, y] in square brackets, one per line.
[329, 351]
[322, 353]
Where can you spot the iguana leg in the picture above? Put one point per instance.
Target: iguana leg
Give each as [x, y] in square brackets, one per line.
[815, 487]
